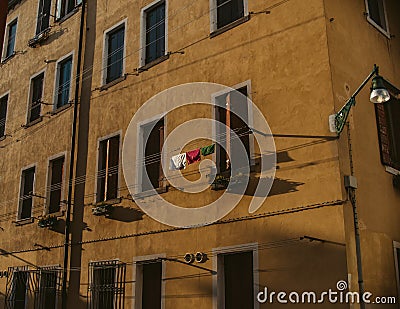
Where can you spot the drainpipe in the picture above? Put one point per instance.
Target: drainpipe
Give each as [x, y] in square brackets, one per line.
[72, 157]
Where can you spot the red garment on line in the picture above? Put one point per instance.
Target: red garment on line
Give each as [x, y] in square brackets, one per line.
[193, 156]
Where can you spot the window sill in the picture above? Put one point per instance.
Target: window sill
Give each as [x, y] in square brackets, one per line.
[39, 38]
[65, 17]
[6, 59]
[392, 170]
[29, 124]
[229, 26]
[114, 82]
[20, 222]
[61, 108]
[379, 28]
[153, 63]
[149, 193]
[108, 202]
[56, 214]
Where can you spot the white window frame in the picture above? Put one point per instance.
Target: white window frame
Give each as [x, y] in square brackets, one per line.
[214, 14]
[372, 22]
[48, 182]
[218, 282]
[99, 140]
[140, 151]
[21, 185]
[143, 16]
[250, 116]
[5, 41]
[137, 279]
[28, 109]
[37, 15]
[105, 50]
[58, 16]
[8, 109]
[57, 79]
[396, 245]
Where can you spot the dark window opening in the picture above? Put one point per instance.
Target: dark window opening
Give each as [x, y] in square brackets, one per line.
[36, 97]
[228, 107]
[19, 289]
[388, 115]
[64, 7]
[3, 114]
[376, 9]
[155, 32]
[64, 82]
[107, 285]
[152, 152]
[115, 57]
[12, 31]
[43, 19]
[108, 166]
[228, 11]
[56, 179]
[238, 280]
[151, 284]
[26, 199]
[49, 288]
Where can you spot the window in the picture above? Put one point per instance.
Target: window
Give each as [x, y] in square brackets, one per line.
[106, 285]
[154, 32]
[148, 287]
[56, 173]
[43, 19]
[16, 297]
[108, 166]
[64, 7]
[228, 107]
[389, 129]
[376, 14]
[3, 114]
[35, 97]
[64, 71]
[227, 12]
[26, 192]
[10, 39]
[114, 53]
[49, 282]
[33, 288]
[153, 135]
[235, 280]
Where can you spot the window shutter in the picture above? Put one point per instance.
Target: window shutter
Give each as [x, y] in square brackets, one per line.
[383, 132]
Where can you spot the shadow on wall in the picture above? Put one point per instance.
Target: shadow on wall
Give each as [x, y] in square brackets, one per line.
[125, 214]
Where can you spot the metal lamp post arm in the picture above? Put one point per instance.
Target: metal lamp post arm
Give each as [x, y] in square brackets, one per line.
[341, 116]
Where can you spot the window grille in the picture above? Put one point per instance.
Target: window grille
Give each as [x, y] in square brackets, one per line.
[106, 285]
[39, 287]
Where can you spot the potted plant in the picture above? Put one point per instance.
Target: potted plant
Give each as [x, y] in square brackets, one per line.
[102, 210]
[48, 221]
[220, 182]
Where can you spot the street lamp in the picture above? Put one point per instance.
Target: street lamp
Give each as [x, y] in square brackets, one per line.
[379, 94]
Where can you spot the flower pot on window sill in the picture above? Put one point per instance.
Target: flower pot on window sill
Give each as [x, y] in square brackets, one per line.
[39, 38]
[102, 210]
[47, 222]
[220, 182]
